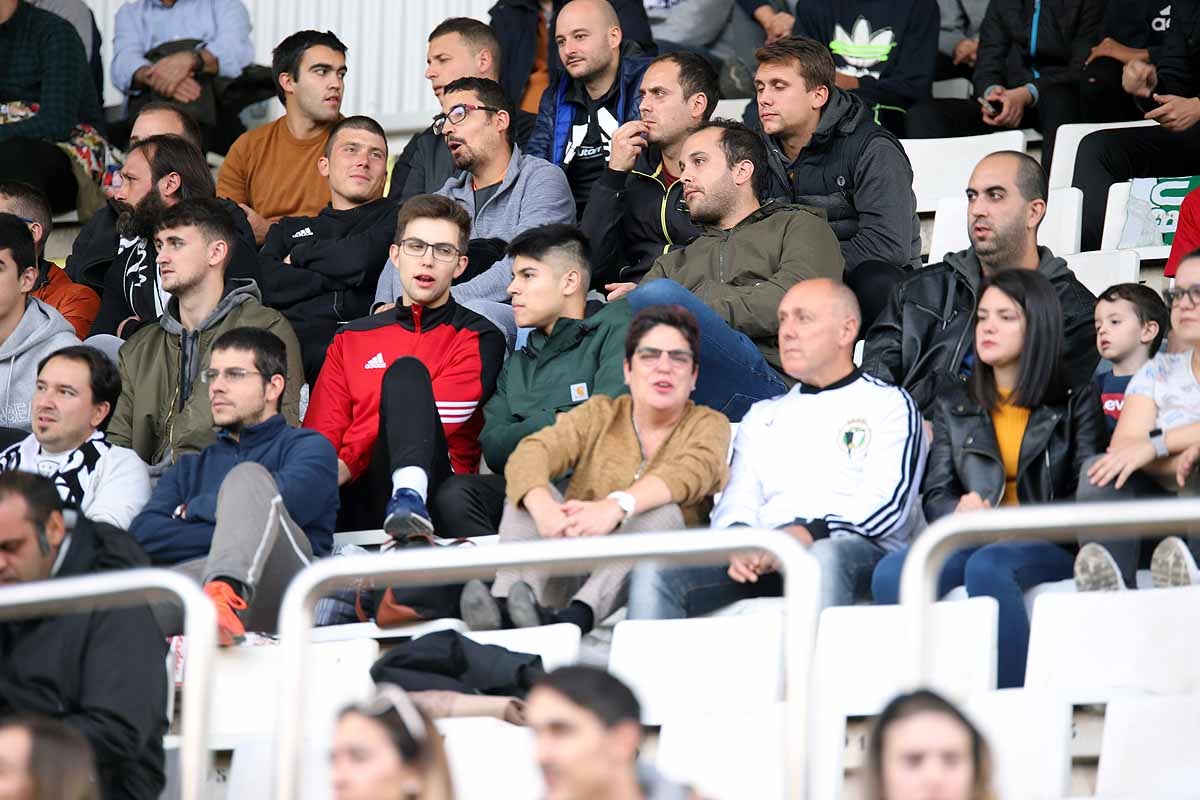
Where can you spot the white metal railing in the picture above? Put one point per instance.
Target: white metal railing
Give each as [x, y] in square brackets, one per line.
[801, 584]
[135, 587]
[1061, 522]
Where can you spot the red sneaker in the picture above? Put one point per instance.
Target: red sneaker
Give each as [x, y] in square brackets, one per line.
[230, 629]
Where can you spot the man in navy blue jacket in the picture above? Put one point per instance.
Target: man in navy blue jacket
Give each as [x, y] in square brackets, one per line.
[581, 109]
[214, 515]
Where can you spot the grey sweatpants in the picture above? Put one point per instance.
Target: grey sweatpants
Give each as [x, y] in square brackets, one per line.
[605, 589]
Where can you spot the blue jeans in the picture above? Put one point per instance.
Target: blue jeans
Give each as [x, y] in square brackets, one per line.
[1004, 570]
[658, 592]
[733, 373]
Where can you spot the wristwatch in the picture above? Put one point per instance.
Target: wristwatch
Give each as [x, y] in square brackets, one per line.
[626, 502]
[1159, 440]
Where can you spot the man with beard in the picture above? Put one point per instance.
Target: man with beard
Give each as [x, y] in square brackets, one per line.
[159, 172]
[503, 190]
[271, 171]
[582, 109]
[321, 271]
[922, 340]
[212, 516]
[635, 211]
[162, 412]
[733, 276]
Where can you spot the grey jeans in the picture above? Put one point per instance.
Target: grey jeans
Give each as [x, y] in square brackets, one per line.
[250, 544]
[605, 589]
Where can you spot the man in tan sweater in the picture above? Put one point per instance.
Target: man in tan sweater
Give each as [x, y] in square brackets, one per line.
[271, 171]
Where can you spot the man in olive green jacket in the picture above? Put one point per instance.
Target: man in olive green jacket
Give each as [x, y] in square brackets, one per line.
[734, 274]
[164, 409]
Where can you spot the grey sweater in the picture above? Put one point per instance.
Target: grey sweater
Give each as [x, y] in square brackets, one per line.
[960, 20]
[534, 192]
[41, 331]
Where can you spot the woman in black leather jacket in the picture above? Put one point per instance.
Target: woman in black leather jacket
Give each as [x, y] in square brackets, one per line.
[1013, 434]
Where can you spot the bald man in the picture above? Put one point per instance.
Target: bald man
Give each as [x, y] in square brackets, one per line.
[595, 95]
[921, 340]
[836, 463]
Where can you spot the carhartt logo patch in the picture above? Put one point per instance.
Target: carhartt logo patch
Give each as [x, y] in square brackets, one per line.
[579, 392]
[376, 362]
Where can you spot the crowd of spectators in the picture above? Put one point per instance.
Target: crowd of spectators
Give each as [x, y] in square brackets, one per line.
[541, 321]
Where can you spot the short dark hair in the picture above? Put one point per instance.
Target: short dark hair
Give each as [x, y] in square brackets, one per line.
[269, 351]
[167, 153]
[812, 59]
[40, 496]
[673, 316]
[742, 144]
[696, 76]
[105, 378]
[287, 55]
[191, 128]
[478, 35]
[1031, 178]
[489, 93]
[1147, 304]
[15, 236]
[359, 122]
[205, 213]
[1040, 378]
[558, 240]
[29, 202]
[434, 206]
[61, 761]
[597, 691]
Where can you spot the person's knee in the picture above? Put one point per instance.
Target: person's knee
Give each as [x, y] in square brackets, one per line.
[246, 477]
[662, 291]
[988, 569]
[1084, 490]
[406, 370]
[663, 518]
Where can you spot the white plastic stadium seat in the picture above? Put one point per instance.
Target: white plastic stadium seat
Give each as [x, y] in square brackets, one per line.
[1060, 230]
[671, 664]
[1114, 223]
[558, 645]
[941, 167]
[729, 755]
[1100, 269]
[1091, 646]
[731, 108]
[856, 672]
[1149, 747]
[1030, 736]
[490, 758]
[1066, 144]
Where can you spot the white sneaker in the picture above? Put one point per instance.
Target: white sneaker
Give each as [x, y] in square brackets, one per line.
[1096, 570]
[1173, 564]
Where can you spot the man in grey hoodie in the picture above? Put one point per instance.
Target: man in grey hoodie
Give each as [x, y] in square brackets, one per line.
[30, 330]
[505, 191]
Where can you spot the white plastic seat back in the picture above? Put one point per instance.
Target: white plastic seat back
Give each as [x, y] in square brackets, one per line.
[1149, 748]
[1029, 733]
[1092, 646]
[724, 662]
[1066, 143]
[491, 759]
[856, 671]
[1060, 230]
[1100, 269]
[558, 645]
[941, 167]
[1115, 211]
[727, 755]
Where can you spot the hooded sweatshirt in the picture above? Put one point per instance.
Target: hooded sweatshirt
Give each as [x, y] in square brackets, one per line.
[41, 331]
[163, 411]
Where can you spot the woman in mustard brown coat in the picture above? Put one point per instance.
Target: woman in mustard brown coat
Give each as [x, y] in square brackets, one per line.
[647, 461]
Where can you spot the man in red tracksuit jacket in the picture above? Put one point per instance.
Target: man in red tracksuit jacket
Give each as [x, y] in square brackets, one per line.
[401, 393]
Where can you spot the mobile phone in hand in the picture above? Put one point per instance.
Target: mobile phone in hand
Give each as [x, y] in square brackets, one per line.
[988, 107]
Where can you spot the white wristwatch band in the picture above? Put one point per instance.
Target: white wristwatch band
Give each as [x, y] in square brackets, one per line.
[626, 502]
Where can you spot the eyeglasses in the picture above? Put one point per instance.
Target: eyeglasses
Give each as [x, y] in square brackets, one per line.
[231, 374]
[1173, 296]
[650, 356]
[457, 114]
[441, 252]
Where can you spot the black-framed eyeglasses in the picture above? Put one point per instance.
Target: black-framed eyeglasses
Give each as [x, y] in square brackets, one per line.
[457, 114]
[1173, 296]
[231, 374]
[652, 355]
[415, 248]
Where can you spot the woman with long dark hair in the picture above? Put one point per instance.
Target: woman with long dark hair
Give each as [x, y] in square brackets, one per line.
[1014, 434]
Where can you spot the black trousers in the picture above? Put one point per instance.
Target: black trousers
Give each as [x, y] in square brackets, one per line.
[410, 435]
[469, 505]
[1101, 97]
[43, 165]
[872, 283]
[937, 119]
[1113, 156]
